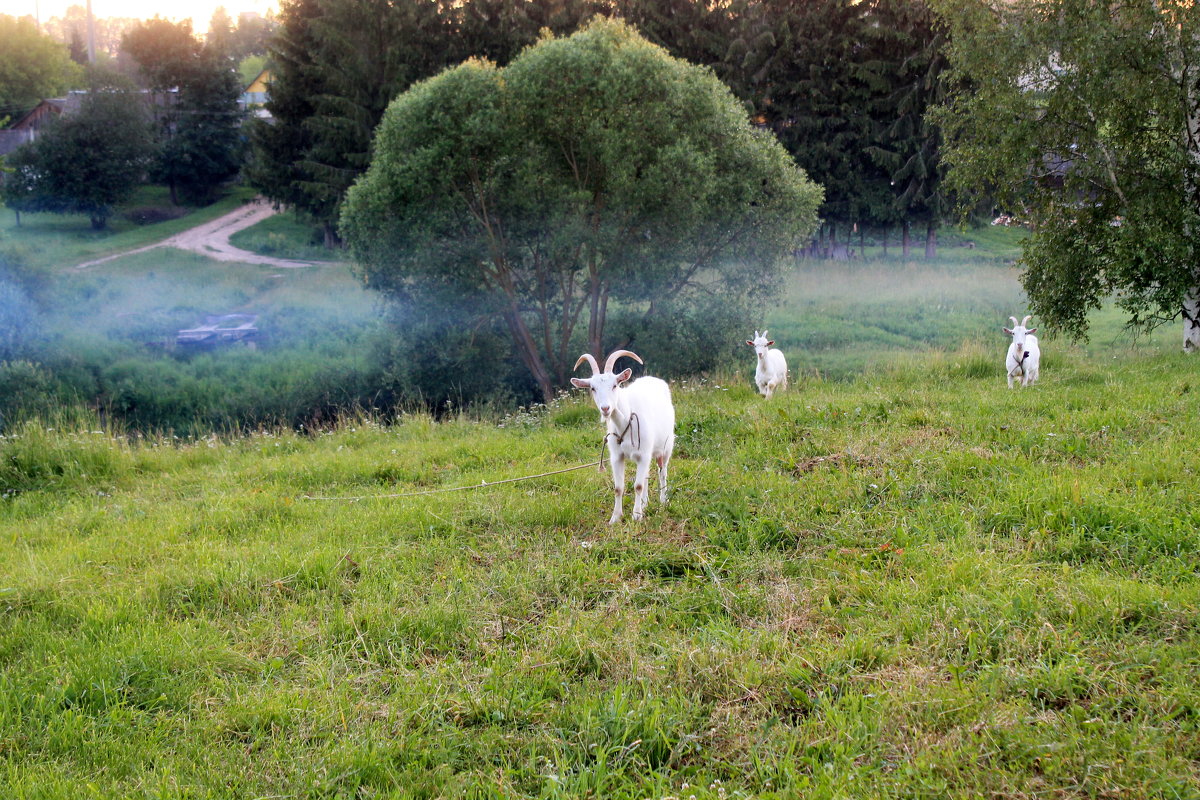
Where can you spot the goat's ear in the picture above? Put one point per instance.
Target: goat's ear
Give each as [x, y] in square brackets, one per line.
[625, 375]
[580, 383]
[770, 343]
[1032, 330]
[750, 343]
[1007, 330]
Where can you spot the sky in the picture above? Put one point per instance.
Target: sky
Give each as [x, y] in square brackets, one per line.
[199, 11]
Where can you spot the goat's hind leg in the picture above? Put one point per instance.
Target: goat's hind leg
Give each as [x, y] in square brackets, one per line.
[662, 477]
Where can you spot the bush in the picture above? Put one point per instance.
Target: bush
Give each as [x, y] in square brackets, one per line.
[149, 215]
[18, 320]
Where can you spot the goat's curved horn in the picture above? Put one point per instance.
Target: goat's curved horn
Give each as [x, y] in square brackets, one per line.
[614, 355]
[589, 358]
[1014, 319]
[764, 333]
[1027, 316]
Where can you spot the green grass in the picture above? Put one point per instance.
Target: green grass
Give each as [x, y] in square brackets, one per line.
[285, 236]
[56, 241]
[913, 583]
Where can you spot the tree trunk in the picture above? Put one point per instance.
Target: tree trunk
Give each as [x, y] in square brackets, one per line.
[174, 193]
[98, 223]
[527, 350]
[931, 240]
[1191, 321]
[837, 250]
[905, 230]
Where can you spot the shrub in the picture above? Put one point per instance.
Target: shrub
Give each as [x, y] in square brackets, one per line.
[149, 215]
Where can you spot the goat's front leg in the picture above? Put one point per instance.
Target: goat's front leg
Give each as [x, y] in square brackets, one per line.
[641, 492]
[616, 461]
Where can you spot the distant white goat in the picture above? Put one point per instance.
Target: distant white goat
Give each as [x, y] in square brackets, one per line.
[771, 373]
[1024, 355]
[640, 423]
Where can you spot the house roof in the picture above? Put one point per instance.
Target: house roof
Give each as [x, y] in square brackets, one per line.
[261, 83]
[54, 105]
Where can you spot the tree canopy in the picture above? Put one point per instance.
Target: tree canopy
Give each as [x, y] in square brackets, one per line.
[32, 66]
[84, 163]
[594, 176]
[1085, 120]
[200, 122]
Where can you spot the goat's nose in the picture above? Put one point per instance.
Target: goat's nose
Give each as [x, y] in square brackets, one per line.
[605, 409]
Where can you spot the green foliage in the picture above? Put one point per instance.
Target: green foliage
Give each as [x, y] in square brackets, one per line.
[336, 66]
[534, 193]
[32, 66]
[1079, 121]
[201, 127]
[84, 163]
[163, 50]
[250, 68]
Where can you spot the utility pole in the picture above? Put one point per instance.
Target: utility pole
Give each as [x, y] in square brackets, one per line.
[91, 34]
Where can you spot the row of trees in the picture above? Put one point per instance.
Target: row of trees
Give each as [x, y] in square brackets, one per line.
[185, 131]
[843, 84]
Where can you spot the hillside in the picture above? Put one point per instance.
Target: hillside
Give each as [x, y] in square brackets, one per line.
[914, 583]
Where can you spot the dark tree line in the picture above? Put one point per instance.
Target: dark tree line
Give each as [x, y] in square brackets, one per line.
[844, 85]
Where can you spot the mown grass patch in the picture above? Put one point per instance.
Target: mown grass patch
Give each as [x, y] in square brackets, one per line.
[285, 235]
[912, 583]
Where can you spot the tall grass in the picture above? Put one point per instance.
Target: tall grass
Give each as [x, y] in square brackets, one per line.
[913, 583]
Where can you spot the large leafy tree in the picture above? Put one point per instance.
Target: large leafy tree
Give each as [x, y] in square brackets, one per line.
[200, 121]
[594, 172]
[32, 66]
[1085, 120]
[84, 163]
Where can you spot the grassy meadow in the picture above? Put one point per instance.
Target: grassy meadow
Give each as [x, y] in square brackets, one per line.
[897, 582]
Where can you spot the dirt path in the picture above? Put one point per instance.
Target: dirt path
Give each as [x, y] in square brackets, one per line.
[212, 239]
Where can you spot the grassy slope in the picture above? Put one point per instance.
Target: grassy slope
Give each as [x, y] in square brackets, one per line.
[912, 584]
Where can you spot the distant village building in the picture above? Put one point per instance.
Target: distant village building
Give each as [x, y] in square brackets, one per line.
[29, 125]
[257, 94]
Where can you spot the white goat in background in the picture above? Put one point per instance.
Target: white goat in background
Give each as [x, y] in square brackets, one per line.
[1024, 355]
[771, 373]
[640, 424]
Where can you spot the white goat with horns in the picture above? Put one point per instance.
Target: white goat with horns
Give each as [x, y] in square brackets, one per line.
[771, 372]
[640, 424]
[1024, 355]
